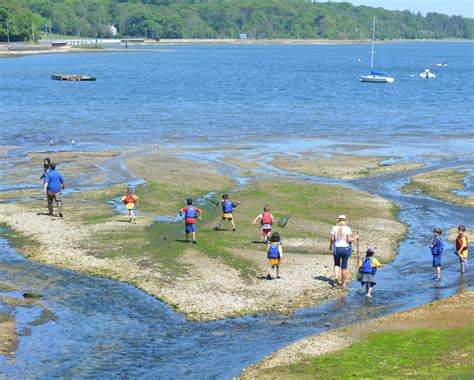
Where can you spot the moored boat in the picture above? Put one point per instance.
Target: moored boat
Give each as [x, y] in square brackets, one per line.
[375, 76]
[427, 74]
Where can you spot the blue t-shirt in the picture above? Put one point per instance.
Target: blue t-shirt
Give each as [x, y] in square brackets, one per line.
[54, 180]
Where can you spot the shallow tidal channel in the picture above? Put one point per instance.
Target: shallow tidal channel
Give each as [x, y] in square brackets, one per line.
[87, 327]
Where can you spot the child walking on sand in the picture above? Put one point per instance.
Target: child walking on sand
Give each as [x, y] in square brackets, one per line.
[130, 200]
[266, 221]
[227, 211]
[368, 268]
[461, 246]
[191, 213]
[274, 254]
[436, 247]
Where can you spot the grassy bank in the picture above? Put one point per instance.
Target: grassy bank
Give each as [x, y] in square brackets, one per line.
[433, 341]
[440, 184]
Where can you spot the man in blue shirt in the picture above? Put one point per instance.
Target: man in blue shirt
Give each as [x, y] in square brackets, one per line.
[53, 184]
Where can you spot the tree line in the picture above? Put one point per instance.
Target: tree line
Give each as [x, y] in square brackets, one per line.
[23, 20]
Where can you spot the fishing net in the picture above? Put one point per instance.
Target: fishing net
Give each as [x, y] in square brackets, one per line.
[282, 221]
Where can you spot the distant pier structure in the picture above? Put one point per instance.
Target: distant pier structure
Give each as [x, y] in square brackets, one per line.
[95, 41]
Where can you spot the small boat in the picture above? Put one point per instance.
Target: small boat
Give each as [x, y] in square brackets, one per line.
[440, 64]
[427, 74]
[72, 77]
[375, 76]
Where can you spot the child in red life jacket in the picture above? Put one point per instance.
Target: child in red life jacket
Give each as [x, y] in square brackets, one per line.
[461, 247]
[191, 213]
[368, 268]
[130, 200]
[227, 211]
[274, 254]
[266, 221]
[436, 247]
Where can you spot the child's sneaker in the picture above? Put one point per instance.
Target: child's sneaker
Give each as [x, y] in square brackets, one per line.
[195, 242]
[233, 229]
[269, 277]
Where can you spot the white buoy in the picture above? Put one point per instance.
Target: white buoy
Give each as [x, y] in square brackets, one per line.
[73, 142]
[51, 142]
[360, 60]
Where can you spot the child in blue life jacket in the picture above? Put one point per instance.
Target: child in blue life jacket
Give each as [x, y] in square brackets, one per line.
[266, 221]
[130, 200]
[274, 254]
[191, 213]
[436, 247]
[227, 211]
[368, 268]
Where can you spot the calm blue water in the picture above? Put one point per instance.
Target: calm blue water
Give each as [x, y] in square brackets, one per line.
[274, 98]
[240, 93]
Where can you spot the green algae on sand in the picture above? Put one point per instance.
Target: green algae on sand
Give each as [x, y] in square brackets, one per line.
[441, 184]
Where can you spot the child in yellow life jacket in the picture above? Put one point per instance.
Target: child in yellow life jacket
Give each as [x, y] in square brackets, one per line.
[368, 268]
[130, 200]
[461, 247]
[274, 254]
[266, 221]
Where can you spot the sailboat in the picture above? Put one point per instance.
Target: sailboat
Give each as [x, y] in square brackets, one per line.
[375, 76]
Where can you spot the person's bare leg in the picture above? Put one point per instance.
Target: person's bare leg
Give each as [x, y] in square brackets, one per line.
[438, 272]
[369, 292]
[336, 273]
[343, 277]
[233, 224]
[194, 236]
[462, 266]
[278, 271]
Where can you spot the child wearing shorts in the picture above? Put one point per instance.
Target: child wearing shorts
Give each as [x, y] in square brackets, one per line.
[227, 211]
[436, 247]
[130, 200]
[191, 213]
[368, 268]
[461, 246]
[274, 254]
[266, 221]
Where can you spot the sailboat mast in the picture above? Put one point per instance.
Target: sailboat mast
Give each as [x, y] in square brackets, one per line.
[373, 41]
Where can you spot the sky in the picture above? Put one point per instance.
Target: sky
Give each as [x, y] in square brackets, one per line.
[450, 7]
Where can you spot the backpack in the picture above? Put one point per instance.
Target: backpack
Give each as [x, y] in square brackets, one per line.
[266, 218]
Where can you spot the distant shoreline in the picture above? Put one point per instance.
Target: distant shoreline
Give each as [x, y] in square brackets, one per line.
[15, 50]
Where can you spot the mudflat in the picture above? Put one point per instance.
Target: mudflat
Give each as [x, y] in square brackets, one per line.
[224, 274]
[441, 184]
[345, 166]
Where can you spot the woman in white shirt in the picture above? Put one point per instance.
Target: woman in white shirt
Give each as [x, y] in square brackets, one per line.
[341, 239]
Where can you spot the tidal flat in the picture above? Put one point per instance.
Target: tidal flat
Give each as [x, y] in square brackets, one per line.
[441, 184]
[223, 275]
[344, 166]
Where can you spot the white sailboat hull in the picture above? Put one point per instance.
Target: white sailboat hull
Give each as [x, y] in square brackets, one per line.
[376, 79]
